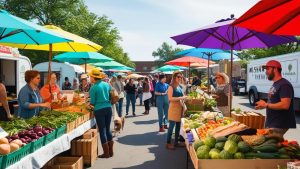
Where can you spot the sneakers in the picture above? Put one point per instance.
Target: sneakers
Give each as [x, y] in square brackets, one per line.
[161, 129]
[170, 147]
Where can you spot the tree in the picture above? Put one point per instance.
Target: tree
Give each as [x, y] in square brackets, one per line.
[72, 16]
[165, 53]
[258, 53]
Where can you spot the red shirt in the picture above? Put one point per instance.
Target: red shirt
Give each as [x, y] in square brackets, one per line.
[45, 92]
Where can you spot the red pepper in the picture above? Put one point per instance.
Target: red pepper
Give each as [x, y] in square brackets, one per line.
[285, 143]
[295, 143]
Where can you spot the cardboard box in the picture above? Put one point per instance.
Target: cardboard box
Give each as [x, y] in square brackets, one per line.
[236, 163]
[65, 163]
[88, 148]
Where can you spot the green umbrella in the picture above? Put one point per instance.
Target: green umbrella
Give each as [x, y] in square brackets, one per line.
[168, 68]
[80, 58]
[15, 30]
[108, 65]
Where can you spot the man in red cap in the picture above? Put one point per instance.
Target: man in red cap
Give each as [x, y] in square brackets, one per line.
[280, 107]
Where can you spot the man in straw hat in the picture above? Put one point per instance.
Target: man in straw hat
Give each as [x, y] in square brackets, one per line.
[280, 107]
[100, 100]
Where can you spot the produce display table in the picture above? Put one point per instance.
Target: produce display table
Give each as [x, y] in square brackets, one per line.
[40, 157]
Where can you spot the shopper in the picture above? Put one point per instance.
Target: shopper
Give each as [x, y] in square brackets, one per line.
[75, 85]
[176, 96]
[67, 85]
[154, 82]
[29, 99]
[4, 108]
[152, 90]
[118, 85]
[280, 105]
[146, 95]
[131, 90]
[51, 91]
[222, 92]
[85, 85]
[162, 102]
[140, 91]
[100, 100]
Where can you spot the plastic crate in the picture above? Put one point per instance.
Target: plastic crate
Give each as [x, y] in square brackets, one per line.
[1, 159]
[37, 144]
[50, 137]
[16, 156]
[61, 131]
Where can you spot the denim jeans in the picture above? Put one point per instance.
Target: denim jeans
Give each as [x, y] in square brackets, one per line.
[103, 119]
[141, 98]
[119, 106]
[147, 104]
[172, 124]
[162, 103]
[130, 98]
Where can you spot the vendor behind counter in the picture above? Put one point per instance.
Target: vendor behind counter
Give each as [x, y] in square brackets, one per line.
[29, 99]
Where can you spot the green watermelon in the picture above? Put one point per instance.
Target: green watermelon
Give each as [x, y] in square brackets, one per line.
[225, 155]
[231, 146]
[239, 155]
[197, 144]
[235, 138]
[210, 141]
[214, 153]
[220, 145]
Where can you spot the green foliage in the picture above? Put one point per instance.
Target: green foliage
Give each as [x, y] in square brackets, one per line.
[165, 53]
[258, 53]
[72, 16]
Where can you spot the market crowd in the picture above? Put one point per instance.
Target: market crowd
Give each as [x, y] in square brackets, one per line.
[167, 94]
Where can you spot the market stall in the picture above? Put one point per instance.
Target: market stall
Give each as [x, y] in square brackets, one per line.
[31, 143]
[214, 141]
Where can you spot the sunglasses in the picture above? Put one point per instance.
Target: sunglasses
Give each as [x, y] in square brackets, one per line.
[218, 77]
[179, 77]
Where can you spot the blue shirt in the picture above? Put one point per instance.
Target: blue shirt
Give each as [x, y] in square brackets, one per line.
[177, 92]
[281, 118]
[25, 97]
[161, 87]
[100, 95]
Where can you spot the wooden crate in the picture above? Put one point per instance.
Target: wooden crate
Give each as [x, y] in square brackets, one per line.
[235, 163]
[71, 126]
[251, 119]
[88, 148]
[91, 133]
[65, 163]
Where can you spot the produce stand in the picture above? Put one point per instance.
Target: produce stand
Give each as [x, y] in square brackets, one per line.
[233, 143]
[41, 156]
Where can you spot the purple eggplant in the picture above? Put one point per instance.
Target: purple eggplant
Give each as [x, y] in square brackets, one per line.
[29, 140]
[45, 132]
[40, 134]
[38, 129]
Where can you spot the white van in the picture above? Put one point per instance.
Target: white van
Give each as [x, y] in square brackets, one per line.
[258, 85]
[12, 69]
[62, 70]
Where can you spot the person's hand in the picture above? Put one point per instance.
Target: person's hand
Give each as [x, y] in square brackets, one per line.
[215, 96]
[46, 105]
[261, 104]
[9, 116]
[183, 97]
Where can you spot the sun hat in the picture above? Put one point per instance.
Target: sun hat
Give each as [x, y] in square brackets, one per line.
[272, 63]
[224, 76]
[84, 76]
[96, 73]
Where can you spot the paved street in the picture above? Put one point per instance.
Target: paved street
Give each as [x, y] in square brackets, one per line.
[140, 146]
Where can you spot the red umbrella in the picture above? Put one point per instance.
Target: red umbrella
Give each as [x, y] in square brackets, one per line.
[186, 61]
[281, 17]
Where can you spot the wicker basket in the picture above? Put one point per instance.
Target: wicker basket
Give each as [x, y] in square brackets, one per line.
[195, 105]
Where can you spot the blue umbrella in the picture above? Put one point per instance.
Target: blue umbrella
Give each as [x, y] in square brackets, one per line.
[80, 58]
[16, 30]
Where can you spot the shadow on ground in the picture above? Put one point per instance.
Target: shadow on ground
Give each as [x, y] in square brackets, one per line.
[164, 159]
[145, 122]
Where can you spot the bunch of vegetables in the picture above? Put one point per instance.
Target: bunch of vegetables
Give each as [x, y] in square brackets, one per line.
[210, 103]
[211, 125]
[14, 126]
[238, 147]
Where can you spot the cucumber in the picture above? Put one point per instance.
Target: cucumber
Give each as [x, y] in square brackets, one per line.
[262, 155]
[284, 156]
[270, 148]
[221, 139]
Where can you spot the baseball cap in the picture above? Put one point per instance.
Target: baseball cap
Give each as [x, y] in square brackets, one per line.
[272, 63]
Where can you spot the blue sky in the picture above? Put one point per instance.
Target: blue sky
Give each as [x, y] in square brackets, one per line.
[145, 24]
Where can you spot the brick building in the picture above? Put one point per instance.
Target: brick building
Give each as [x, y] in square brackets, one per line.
[144, 67]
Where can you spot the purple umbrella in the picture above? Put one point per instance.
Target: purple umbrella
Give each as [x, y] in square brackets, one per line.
[223, 35]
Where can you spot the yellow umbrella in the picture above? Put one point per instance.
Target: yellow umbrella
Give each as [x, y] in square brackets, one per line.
[79, 44]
